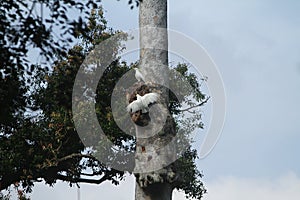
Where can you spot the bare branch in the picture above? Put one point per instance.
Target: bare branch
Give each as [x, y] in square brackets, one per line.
[195, 106]
[83, 180]
[93, 174]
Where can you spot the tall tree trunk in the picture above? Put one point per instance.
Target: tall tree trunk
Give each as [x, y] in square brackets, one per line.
[154, 39]
[155, 185]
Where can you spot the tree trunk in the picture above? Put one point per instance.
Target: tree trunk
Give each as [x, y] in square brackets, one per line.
[154, 39]
[154, 66]
[158, 191]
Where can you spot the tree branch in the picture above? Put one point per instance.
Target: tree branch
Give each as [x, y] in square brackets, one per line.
[93, 174]
[195, 106]
[83, 180]
[76, 155]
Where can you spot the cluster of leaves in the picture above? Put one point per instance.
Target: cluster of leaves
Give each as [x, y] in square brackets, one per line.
[24, 27]
[27, 25]
[192, 100]
[136, 2]
[190, 177]
[48, 147]
[186, 111]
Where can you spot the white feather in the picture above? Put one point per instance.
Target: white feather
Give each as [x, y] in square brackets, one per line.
[138, 75]
[142, 102]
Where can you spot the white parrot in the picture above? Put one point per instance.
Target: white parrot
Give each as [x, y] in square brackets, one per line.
[142, 102]
[138, 75]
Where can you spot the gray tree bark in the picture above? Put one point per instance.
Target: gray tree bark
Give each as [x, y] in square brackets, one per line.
[154, 39]
[155, 185]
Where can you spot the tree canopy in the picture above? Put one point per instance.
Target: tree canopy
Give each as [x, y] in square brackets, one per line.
[38, 139]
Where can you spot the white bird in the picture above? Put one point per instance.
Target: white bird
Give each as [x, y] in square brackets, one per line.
[138, 75]
[142, 102]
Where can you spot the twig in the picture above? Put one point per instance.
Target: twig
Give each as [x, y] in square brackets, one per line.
[198, 105]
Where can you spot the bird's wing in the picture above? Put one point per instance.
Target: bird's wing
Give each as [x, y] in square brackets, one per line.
[149, 98]
[133, 107]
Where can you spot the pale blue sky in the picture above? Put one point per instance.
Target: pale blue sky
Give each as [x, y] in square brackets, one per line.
[256, 45]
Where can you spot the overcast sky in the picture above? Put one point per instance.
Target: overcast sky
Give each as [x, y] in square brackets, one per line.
[256, 46]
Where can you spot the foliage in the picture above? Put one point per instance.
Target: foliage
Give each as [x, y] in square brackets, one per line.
[190, 182]
[48, 147]
[30, 27]
[23, 26]
[136, 2]
[44, 145]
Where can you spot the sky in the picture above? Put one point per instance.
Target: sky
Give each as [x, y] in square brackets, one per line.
[256, 46]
